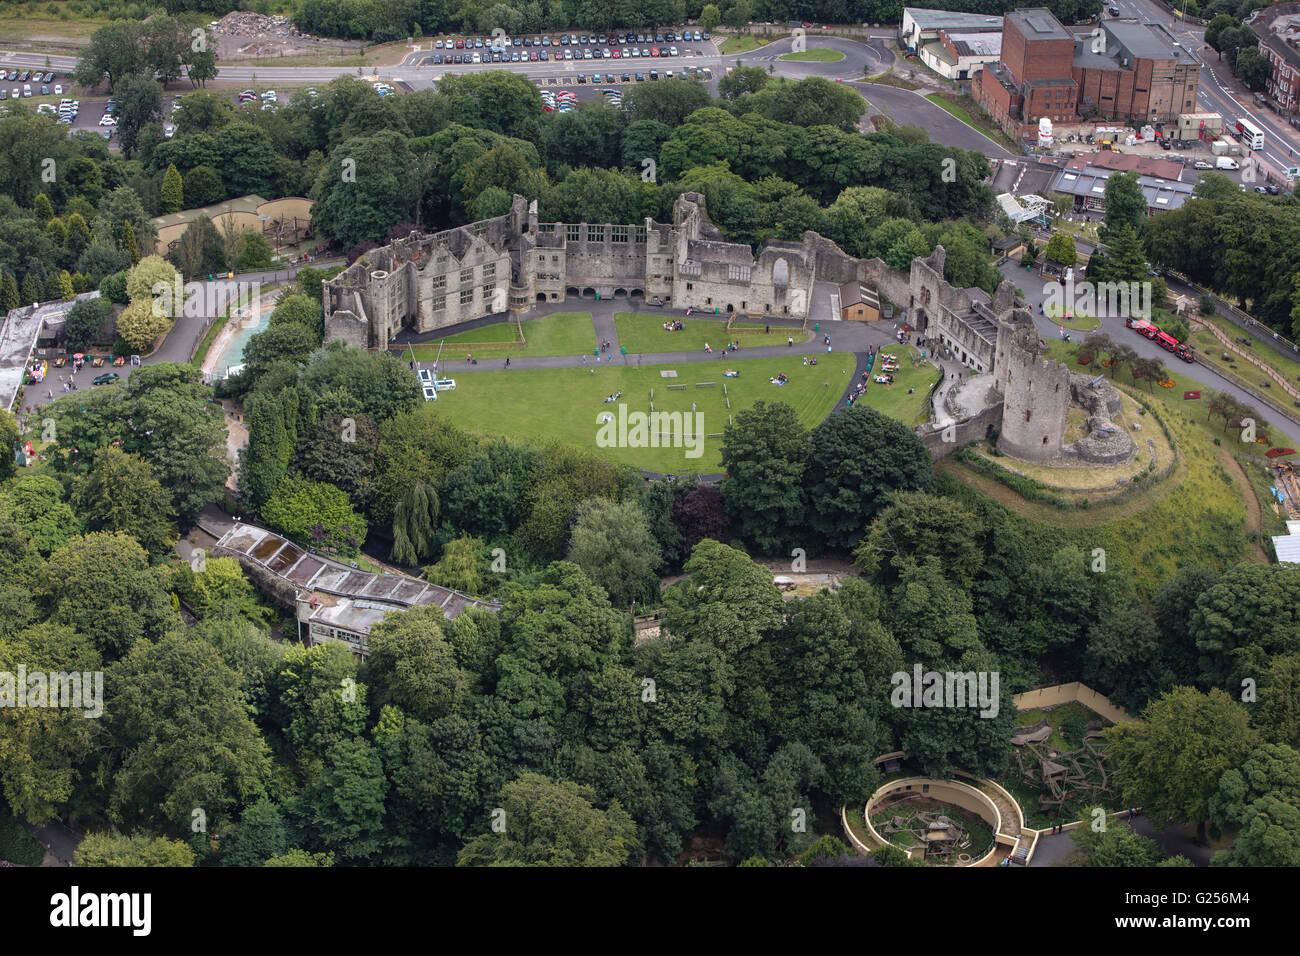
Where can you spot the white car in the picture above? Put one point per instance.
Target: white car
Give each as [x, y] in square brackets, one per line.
[58, 91]
[169, 131]
[107, 120]
[477, 58]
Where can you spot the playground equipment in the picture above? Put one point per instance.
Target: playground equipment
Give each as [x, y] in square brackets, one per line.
[943, 839]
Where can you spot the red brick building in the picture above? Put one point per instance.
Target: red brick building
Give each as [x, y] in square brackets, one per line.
[1278, 30]
[1120, 70]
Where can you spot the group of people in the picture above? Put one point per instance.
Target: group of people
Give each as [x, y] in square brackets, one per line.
[604, 345]
[615, 397]
[808, 361]
[779, 380]
[676, 325]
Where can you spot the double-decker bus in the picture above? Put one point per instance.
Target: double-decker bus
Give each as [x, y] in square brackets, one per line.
[1251, 135]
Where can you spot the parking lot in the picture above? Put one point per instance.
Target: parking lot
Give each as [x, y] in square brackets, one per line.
[566, 48]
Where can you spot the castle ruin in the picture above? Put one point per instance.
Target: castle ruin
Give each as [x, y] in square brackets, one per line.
[512, 263]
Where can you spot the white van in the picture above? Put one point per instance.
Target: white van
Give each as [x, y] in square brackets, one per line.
[1226, 162]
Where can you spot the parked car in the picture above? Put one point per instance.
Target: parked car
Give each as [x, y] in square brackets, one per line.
[106, 379]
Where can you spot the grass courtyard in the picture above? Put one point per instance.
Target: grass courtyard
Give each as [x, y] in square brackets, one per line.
[567, 403]
[820, 55]
[639, 332]
[893, 400]
[561, 333]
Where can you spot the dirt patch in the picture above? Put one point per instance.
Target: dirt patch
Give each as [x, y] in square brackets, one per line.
[1254, 514]
[243, 33]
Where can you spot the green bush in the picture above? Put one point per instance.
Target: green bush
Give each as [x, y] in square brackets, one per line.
[16, 844]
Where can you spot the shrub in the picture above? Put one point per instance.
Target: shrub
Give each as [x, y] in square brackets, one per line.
[16, 844]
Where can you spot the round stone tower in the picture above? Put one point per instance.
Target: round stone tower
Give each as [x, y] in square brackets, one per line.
[1035, 390]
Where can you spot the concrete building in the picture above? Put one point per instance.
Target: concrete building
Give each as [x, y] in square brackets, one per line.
[20, 333]
[1119, 70]
[512, 262]
[921, 26]
[335, 601]
[959, 54]
[1278, 31]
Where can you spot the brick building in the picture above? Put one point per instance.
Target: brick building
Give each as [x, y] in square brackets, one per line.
[1278, 30]
[1119, 70]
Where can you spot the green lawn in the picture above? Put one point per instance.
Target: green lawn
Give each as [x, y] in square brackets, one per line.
[566, 403]
[893, 400]
[1081, 322]
[561, 333]
[1287, 368]
[821, 55]
[741, 44]
[642, 332]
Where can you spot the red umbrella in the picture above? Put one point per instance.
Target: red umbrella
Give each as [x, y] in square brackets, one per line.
[79, 355]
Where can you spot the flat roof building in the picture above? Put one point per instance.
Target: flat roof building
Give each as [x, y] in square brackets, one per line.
[921, 25]
[338, 602]
[1088, 186]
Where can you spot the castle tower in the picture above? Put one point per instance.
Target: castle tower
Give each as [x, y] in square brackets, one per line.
[1035, 390]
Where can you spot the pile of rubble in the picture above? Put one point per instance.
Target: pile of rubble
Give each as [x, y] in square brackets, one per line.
[245, 33]
[246, 23]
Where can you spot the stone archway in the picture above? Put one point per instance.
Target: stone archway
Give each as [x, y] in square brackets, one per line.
[781, 275]
[588, 292]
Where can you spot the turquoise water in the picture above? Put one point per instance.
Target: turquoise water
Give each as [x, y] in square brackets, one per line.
[233, 353]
